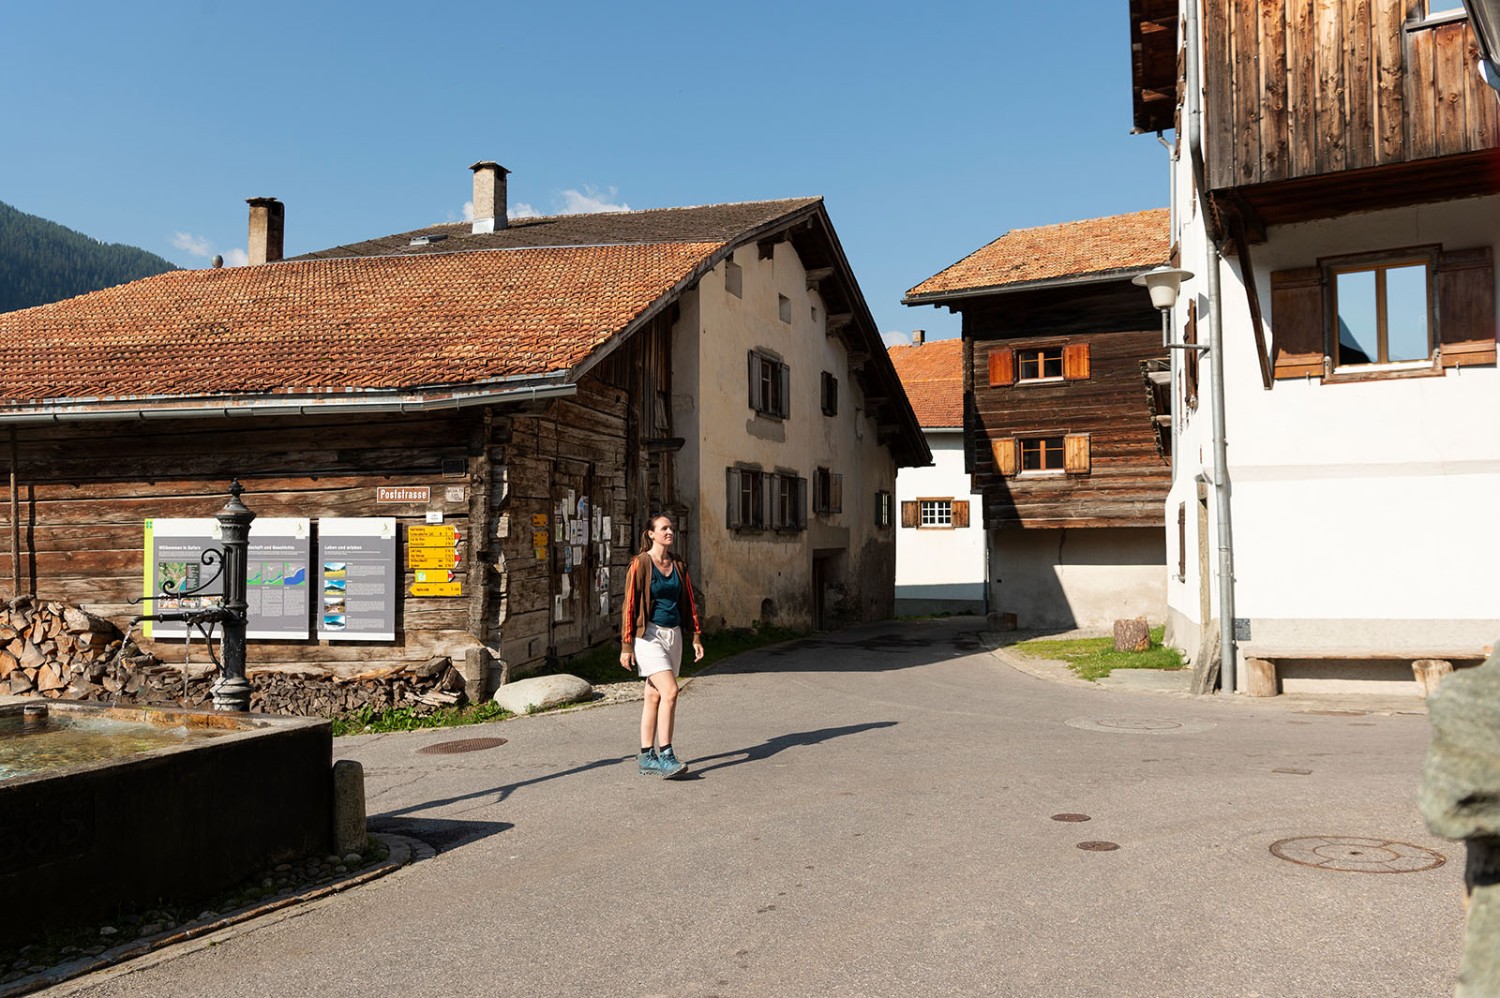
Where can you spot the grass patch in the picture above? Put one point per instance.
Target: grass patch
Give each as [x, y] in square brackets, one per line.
[369, 721]
[1095, 658]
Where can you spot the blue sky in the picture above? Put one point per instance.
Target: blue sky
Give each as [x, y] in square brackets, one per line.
[930, 129]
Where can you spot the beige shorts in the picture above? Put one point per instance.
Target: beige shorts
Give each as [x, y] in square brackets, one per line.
[657, 650]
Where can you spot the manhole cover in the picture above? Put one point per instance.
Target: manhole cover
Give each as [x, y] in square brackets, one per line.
[1352, 854]
[1070, 817]
[461, 745]
[1098, 846]
[1334, 713]
[1138, 725]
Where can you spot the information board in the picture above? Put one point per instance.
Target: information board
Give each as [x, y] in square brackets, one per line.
[277, 568]
[357, 578]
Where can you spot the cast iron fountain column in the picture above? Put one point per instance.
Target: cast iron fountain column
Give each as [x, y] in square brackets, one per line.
[231, 691]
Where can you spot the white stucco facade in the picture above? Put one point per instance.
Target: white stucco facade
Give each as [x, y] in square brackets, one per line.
[940, 569]
[842, 563]
[1362, 511]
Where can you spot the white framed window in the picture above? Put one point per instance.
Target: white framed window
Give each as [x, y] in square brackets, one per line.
[935, 513]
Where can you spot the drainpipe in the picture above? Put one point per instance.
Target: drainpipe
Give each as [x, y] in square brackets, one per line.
[1216, 355]
[1173, 236]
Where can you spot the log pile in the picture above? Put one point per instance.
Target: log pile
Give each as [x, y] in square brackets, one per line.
[59, 651]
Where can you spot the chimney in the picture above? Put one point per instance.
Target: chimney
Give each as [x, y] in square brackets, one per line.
[918, 336]
[267, 222]
[489, 196]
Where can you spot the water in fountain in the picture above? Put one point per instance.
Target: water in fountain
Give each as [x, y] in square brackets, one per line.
[38, 740]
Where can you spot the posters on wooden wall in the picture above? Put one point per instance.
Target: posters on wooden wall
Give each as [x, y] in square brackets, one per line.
[357, 578]
[277, 567]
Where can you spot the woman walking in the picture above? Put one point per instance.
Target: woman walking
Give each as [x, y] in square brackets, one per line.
[658, 609]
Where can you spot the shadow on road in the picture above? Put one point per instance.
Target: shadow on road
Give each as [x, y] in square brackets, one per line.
[780, 743]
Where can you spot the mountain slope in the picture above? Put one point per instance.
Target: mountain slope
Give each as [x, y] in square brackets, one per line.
[41, 261]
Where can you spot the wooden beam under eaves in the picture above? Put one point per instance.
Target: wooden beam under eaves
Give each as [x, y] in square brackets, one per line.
[838, 320]
[817, 275]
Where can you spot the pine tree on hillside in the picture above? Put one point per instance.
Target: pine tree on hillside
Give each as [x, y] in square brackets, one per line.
[41, 261]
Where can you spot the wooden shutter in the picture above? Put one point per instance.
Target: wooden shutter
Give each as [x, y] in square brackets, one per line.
[799, 504]
[1076, 361]
[1004, 451]
[1297, 322]
[1002, 366]
[1190, 358]
[836, 494]
[960, 513]
[785, 374]
[754, 363]
[1076, 453]
[732, 487]
[909, 513]
[1465, 285]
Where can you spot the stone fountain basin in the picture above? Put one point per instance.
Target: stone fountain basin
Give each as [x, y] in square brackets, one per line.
[175, 824]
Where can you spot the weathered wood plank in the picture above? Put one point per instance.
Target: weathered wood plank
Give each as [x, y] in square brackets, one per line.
[1218, 100]
[1450, 72]
[1332, 112]
[1359, 85]
[1247, 94]
[1419, 96]
[1390, 144]
[1302, 89]
[1274, 84]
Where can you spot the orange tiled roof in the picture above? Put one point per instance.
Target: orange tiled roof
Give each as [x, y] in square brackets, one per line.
[1050, 252]
[933, 376]
[333, 325]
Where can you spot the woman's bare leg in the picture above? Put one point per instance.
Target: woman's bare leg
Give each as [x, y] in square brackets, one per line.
[661, 686]
[648, 716]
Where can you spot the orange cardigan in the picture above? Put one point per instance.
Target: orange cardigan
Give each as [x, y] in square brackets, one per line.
[637, 609]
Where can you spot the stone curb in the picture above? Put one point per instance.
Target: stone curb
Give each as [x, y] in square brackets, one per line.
[141, 954]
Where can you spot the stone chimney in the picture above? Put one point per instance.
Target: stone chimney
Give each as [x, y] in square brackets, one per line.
[267, 223]
[918, 336]
[489, 196]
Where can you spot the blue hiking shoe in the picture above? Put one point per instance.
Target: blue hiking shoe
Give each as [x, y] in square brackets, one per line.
[650, 765]
[669, 765]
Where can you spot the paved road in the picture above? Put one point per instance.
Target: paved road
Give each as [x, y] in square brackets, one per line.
[871, 814]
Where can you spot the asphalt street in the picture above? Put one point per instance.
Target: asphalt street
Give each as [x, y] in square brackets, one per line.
[874, 812]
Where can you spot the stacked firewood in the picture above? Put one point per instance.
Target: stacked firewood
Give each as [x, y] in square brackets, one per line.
[60, 651]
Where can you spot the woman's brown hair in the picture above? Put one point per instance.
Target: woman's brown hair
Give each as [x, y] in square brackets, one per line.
[650, 526]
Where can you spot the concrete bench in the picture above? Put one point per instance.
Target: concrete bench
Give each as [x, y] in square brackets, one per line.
[1429, 664]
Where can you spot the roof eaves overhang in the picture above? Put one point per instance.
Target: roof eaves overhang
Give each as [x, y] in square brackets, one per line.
[938, 298]
[365, 402]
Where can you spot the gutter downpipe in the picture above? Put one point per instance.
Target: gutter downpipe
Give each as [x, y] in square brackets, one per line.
[1227, 671]
[1168, 317]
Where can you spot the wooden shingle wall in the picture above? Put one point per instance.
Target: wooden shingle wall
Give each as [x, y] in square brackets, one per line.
[1298, 88]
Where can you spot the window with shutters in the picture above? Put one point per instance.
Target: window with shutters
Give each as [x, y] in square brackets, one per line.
[770, 390]
[884, 508]
[828, 491]
[1038, 363]
[830, 394]
[945, 513]
[1376, 315]
[1042, 454]
[761, 500]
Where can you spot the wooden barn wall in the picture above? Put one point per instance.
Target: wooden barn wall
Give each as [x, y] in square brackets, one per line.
[86, 489]
[1128, 479]
[1298, 88]
[594, 445]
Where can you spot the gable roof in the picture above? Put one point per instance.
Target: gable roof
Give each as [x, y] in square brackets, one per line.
[933, 375]
[1095, 248]
[461, 320]
[337, 326]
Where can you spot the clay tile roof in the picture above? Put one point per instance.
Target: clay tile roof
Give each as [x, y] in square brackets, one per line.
[933, 376]
[332, 325]
[1051, 252]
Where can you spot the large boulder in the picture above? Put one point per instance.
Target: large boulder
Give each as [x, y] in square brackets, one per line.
[541, 692]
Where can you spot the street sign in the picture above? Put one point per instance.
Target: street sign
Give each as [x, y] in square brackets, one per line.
[437, 589]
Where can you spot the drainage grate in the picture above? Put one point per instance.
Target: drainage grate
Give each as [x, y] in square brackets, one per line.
[1352, 854]
[1098, 846]
[1070, 817]
[461, 745]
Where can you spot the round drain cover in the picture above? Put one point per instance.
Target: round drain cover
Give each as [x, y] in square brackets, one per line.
[1352, 854]
[1137, 724]
[461, 745]
[1070, 817]
[1098, 846]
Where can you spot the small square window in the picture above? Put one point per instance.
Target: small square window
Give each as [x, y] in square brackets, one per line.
[935, 513]
[1039, 363]
[734, 279]
[784, 307]
[1042, 454]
